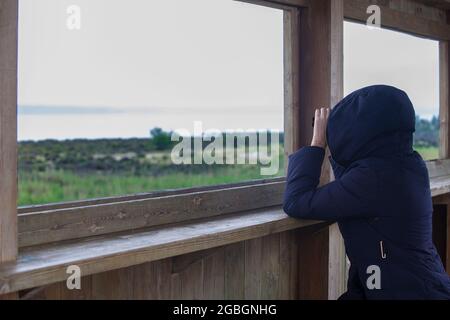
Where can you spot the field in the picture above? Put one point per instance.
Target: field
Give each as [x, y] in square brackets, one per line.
[57, 171]
[428, 153]
[57, 186]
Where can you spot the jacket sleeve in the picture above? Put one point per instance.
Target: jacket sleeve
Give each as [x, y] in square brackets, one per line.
[352, 196]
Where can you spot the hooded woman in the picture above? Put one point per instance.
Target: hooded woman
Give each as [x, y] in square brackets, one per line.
[380, 196]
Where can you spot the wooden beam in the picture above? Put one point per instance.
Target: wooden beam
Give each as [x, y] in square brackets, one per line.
[291, 82]
[444, 103]
[442, 4]
[41, 265]
[398, 20]
[78, 222]
[8, 129]
[337, 282]
[279, 4]
[444, 96]
[321, 85]
[142, 196]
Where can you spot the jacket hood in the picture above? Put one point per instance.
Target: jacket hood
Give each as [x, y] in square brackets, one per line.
[375, 121]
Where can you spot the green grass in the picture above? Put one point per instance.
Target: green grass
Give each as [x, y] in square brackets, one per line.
[63, 185]
[428, 153]
[58, 186]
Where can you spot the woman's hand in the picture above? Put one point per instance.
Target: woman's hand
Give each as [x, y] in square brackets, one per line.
[320, 128]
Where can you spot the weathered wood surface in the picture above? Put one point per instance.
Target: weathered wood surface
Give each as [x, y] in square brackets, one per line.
[41, 265]
[103, 218]
[439, 173]
[262, 268]
[443, 4]
[405, 16]
[141, 196]
[321, 85]
[8, 129]
[444, 98]
[291, 82]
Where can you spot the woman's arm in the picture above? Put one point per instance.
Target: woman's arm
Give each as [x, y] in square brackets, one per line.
[350, 196]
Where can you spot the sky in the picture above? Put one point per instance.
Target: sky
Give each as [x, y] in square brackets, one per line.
[138, 64]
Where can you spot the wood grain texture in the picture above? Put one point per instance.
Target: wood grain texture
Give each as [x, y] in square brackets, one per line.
[313, 269]
[291, 82]
[41, 265]
[394, 16]
[219, 273]
[78, 222]
[442, 4]
[141, 196]
[8, 129]
[321, 85]
[234, 271]
[444, 99]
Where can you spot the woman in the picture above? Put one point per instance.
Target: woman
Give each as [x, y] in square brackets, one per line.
[380, 198]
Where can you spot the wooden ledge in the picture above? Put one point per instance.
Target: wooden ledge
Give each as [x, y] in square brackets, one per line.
[45, 264]
[440, 185]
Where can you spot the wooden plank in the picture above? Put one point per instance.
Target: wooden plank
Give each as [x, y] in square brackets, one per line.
[235, 271]
[313, 263]
[438, 168]
[270, 267]
[214, 275]
[145, 281]
[440, 186]
[289, 261]
[398, 20]
[9, 296]
[85, 293]
[291, 81]
[418, 9]
[72, 223]
[443, 4]
[191, 281]
[47, 264]
[8, 129]
[113, 285]
[141, 196]
[337, 259]
[321, 85]
[444, 100]
[253, 258]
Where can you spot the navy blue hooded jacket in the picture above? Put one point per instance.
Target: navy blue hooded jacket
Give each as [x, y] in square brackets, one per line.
[380, 196]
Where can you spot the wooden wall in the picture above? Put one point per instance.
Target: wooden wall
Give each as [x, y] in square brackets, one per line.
[8, 129]
[261, 268]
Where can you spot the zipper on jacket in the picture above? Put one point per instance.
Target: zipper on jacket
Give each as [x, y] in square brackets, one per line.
[383, 254]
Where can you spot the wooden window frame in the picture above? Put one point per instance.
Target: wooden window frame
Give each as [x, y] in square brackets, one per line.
[429, 24]
[35, 225]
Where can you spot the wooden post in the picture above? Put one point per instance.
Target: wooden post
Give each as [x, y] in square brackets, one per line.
[8, 129]
[320, 85]
[444, 92]
[444, 131]
[8, 133]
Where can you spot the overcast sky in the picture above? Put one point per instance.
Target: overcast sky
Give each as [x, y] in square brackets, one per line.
[136, 64]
